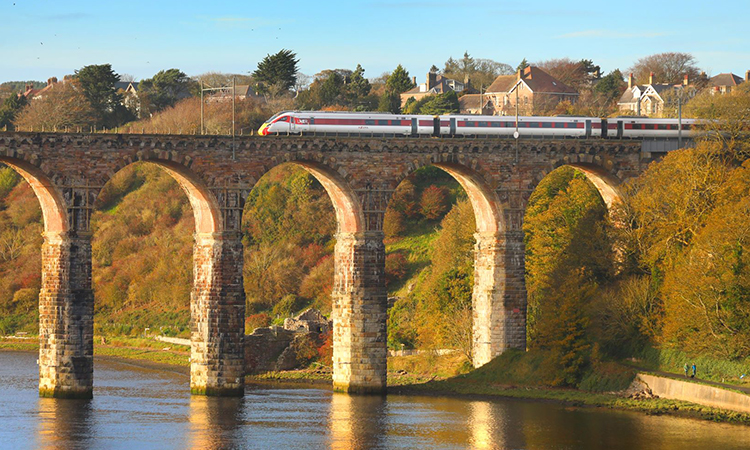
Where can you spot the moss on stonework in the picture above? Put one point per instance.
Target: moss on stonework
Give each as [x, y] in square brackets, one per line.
[86, 394]
[364, 390]
[218, 392]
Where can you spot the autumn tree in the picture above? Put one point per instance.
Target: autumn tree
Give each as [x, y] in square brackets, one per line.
[726, 119]
[670, 67]
[480, 72]
[279, 70]
[576, 74]
[63, 106]
[434, 202]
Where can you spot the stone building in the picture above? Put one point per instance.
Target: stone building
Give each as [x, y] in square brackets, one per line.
[650, 99]
[536, 90]
[723, 83]
[434, 85]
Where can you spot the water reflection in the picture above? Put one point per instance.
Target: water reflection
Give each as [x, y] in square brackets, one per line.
[215, 422]
[356, 422]
[64, 423]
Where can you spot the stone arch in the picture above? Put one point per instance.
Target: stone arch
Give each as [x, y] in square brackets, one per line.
[597, 170]
[206, 210]
[54, 210]
[359, 297]
[217, 300]
[498, 298]
[65, 303]
[334, 178]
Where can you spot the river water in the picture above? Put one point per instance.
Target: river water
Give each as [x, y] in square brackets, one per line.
[143, 408]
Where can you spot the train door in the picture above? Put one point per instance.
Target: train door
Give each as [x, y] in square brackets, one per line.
[436, 126]
[620, 128]
[414, 126]
[588, 128]
[453, 126]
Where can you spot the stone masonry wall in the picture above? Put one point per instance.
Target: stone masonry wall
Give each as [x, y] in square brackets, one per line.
[66, 317]
[217, 179]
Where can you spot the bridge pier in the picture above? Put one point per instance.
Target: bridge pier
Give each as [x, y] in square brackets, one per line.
[66, 317]
[359, 313]
[499, 298]
[217, 307]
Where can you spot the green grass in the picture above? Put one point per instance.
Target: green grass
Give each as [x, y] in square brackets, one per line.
[713, 369]
[119, 347]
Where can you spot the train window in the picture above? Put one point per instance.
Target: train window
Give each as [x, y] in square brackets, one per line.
[546, 124]
[662, 126]
[383, 122]
[369, 122]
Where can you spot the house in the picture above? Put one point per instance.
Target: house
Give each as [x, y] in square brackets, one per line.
[129, 92]
[241, 91]
[723, 83]
[650, 99]
[434, 85]
[469, 104]
[35, 94]
[535, 89]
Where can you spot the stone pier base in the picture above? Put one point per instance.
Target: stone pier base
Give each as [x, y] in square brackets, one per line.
[217, 306]
[359, 314]
[499, 300]
[66, 317]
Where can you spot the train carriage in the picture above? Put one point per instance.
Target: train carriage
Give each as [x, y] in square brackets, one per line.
[640, 127]
[370, 123]
[560, 127]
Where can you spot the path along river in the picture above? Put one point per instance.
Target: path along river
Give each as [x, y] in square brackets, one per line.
[142, 408]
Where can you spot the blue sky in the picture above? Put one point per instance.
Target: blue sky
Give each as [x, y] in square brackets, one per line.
[40, 39]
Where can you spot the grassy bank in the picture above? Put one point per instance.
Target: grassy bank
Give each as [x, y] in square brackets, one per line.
[119, 347]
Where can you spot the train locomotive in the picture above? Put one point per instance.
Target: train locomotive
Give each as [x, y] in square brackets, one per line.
[387, 124]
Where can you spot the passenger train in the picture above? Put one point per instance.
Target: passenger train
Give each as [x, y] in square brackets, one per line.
[387, 124]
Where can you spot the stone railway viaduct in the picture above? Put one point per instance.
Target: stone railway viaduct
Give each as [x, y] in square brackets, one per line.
[67, 172]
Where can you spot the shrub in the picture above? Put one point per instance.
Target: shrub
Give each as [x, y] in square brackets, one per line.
[256, 321]
[434, 202]
[395, 267]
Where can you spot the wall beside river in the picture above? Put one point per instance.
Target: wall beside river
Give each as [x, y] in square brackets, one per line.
[696, 393]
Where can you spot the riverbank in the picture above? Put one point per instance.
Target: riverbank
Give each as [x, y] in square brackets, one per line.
[405, 378]
[133, 349]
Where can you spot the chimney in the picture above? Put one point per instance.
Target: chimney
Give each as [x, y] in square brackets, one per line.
[414, 80]
[630, 80]
[686, 81]
[747, 75]
[518, 74]
[51, 81]
[527, 72]
[651, 78]
[431, 80]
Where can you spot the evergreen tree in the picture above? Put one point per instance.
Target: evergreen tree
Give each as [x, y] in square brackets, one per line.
[279, 70]
[522, 65]
[165, 88]
[358, 85]
[399, 81]
[11, 106]
[98, 84]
